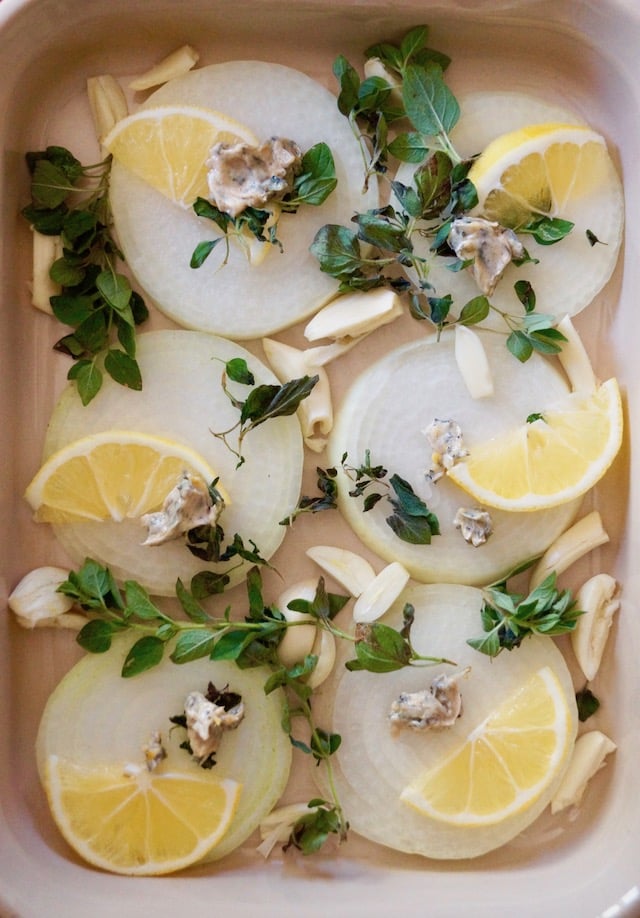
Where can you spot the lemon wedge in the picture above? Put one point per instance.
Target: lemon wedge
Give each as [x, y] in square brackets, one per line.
[538, 170]
[169, 147]
[554, 457]
[114, 474]
[506, 762]
[142, 823]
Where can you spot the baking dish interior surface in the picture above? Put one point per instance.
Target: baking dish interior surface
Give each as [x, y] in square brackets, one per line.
[576, 54]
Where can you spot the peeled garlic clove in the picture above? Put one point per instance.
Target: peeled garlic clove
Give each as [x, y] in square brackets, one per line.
[352, 571]
[298, 640]
[598, 599]
[373, 67]
[473, 362]
[174, 65]
[315, 412]
[355, 314]
[324, 648]
[35, 600]
[107, 103]
[581, 538]
[46, 250]
[574, 359]
[588, 757]
[381, 593]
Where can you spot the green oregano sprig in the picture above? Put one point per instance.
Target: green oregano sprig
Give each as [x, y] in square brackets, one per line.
[72, 201]
[507, 618]
[263, 403]
[371, 255]
[411, 521]
[326, 499]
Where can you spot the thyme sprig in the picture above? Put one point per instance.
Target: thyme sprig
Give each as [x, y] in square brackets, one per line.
[508, 618]
[72, 201]
[411, 520]
[263, 403]
[380, 248]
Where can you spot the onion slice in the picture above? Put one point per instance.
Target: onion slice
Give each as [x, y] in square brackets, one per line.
[94, 717]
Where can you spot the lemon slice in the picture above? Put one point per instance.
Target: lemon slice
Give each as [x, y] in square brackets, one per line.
[143, 822]
[114, 474]
[538, 170]
[168, 147]
[554, 458]
[505, 764]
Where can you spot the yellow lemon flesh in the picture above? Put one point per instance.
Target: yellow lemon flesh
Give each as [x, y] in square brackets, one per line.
[538, 170]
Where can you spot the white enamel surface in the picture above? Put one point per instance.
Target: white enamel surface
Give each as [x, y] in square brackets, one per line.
[580, 54]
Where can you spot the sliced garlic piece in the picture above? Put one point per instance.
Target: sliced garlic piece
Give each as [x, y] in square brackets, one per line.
[325, 649]
[373, 67]
[588, 757]
[381, 593]
[277, 825]
[581, 538]
[352, 571]
[298, 640]
[316, 411]
[574, 359]
[174, 65]
[107, 103]
[473, 363]
[323, 354]
[46, 250]
[36, 601]
[355, 314]
[598, 599]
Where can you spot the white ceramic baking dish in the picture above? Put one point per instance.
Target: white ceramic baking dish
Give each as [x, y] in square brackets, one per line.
[581, 53]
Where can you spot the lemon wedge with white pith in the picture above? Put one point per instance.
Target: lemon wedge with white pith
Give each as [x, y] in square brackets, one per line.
[112, 475]
[538, 170]
[139, 822]
[553, 457]
[505, 764]
[169, 147]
